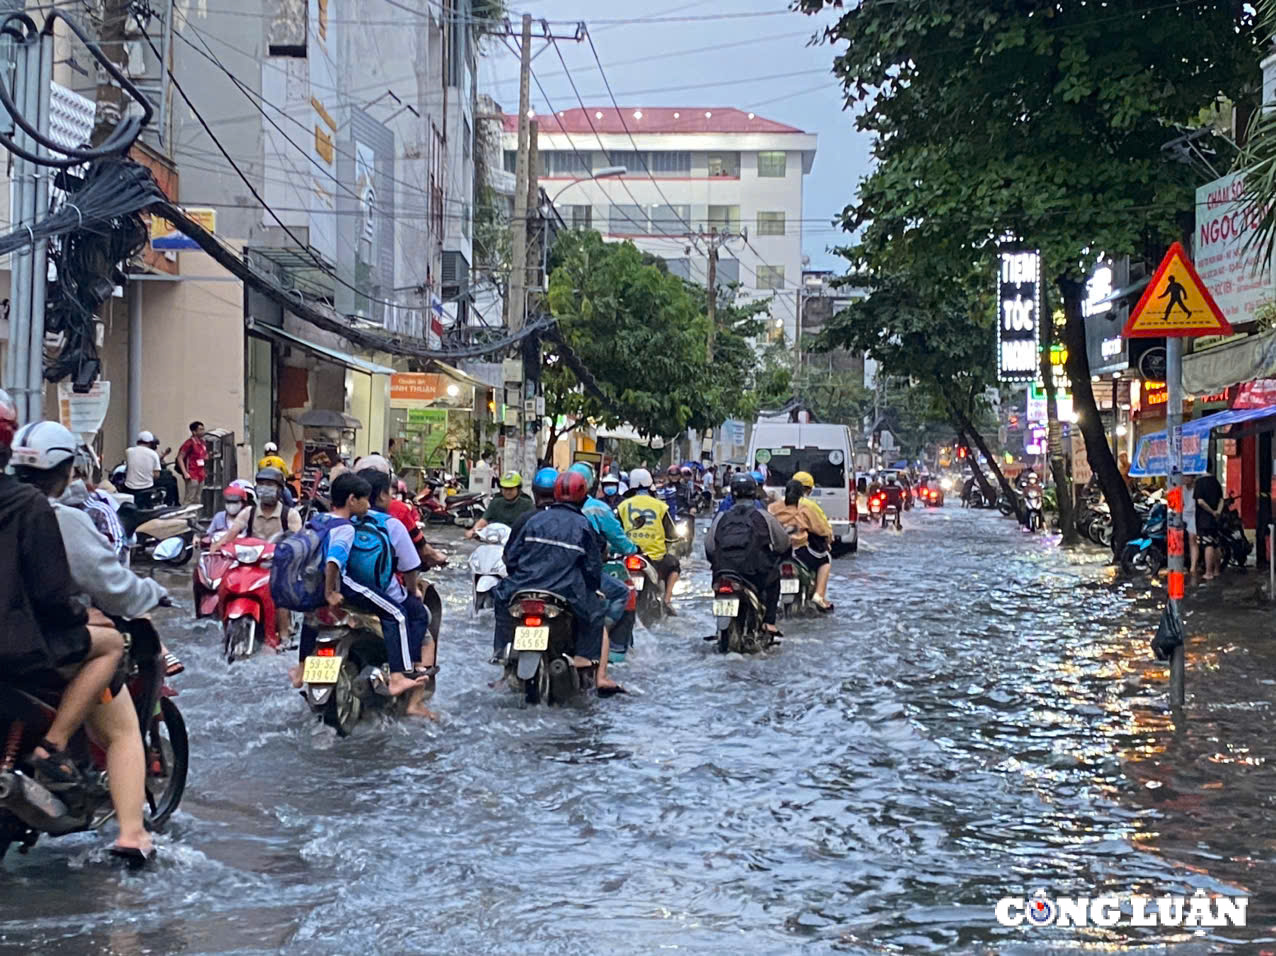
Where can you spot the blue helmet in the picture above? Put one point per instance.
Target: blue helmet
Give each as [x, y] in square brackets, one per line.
[585, 470]
[758, 477]
[544, 479]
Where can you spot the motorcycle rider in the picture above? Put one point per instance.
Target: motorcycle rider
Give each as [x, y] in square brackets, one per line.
[45, 635]
[667, 489]
[270, 459]
[685, 491]
[557, 550]
[143, 467]
[236, 496]
[809, 546]
[1030, 483]
[819, 540]
[507, 506]
[749, 541]
[609, 491]
[612, 537]
[101, 507]
[728, 501]
[655, 533]
[407, 514]
[44, 455]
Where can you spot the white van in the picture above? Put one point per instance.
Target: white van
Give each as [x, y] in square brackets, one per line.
[827, 452]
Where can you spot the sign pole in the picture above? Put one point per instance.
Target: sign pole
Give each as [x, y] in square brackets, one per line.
[1176, 536]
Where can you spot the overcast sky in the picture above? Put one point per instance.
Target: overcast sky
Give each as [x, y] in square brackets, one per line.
[705, 63]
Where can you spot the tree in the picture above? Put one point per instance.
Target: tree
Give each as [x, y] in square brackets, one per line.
[641, 334]
[1040, 121]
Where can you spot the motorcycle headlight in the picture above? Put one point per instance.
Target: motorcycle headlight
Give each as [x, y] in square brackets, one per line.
[249, 554]
[946, 484]
[683, 528]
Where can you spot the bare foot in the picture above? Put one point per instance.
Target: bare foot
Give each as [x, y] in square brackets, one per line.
[294, 675]
[142, 842]
[420, 710]
[606, 683]
[402, 683]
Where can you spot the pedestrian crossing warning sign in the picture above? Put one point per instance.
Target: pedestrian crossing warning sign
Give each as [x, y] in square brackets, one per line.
[1176, 303]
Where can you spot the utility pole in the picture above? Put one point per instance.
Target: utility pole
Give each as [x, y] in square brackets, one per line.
[517, 304]
[713, 289]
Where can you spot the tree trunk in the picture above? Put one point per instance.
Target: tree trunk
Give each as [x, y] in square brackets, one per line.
[1125, 522]
[963, 419]
[1058, 466]
[985, 486]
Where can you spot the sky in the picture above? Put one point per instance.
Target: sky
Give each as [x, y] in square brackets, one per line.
[706, 62]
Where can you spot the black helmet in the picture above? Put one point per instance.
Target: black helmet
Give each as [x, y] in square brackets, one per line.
[743, 485]
[271, 474]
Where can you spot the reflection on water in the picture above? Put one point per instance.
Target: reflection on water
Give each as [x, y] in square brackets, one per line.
[981, 717]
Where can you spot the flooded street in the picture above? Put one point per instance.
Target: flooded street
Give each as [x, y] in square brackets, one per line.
[981, 717]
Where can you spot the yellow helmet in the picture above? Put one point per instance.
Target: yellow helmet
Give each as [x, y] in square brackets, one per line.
[805, 478]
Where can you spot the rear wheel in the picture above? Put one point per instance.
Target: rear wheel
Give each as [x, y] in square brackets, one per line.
[344, 707]
[167, 763]
[241, 638]
[725, 635]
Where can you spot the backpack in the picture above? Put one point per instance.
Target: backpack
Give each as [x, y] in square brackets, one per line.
[297, 569]
[743, 541]
[372, 555]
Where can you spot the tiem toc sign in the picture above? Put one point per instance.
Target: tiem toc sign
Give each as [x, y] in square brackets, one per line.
[1018, 325]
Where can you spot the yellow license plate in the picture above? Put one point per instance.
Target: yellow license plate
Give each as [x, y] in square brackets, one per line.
[727, 608]
[639, 582]
[321, 670]
[531, 638]
[789, 586]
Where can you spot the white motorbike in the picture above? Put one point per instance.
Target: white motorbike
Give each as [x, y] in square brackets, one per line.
[487, 563]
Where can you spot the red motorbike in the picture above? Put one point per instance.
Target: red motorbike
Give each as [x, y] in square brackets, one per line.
[247, 609]
[207, 577]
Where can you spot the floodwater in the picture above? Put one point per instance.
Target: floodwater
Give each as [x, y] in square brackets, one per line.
[981, 717]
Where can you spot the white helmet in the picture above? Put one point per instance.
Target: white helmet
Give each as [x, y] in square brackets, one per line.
[271, 446]
[145, 438]
[43, 446]
[246, 486]
[374, 461]
[640, 478]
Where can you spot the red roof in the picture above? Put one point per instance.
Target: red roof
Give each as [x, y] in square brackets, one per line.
[654, 119]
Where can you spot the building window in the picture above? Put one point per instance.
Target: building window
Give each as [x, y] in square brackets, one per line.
[770, 223]
[511, 160]
[579, 217]
[724, 218]
[436, 180]
[724, 165]
[626, 220]
[670, 163]
[635, 163]
[563, 162]
[670, 220]
[770, 277]
[771, 163]
[680, 268]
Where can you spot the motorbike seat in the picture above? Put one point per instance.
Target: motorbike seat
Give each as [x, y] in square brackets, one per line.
[539, 594]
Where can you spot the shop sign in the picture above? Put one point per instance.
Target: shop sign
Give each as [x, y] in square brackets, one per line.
[1152, 364]
[1256, 394]
[1105, 347]
[1081, 473]
[84, 412]
[1233, 273]
[428, 389]
[1152, 459]
[1019, 309]
[1036, 411]
[1037, 438]
[1153, 394]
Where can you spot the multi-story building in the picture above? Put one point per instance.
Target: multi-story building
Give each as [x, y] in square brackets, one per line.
[687, 172]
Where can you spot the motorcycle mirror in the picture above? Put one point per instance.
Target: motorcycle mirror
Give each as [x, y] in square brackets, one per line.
[640, 520]
[170, 549]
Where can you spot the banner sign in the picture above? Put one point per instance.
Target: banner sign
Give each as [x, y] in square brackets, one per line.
[1152, 457]
[1019, 308]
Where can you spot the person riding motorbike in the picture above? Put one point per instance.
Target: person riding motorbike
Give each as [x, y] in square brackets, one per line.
[759, 501]
[556, 550]
[236, 496]
[609, 491]
[667, 489]
[44, 456]
[655, 533]
[612, 537]
[507, 506]
[819, 540]
[82, 493]
[792, 514]
[749, 541]
[270, 459]
[685, 491]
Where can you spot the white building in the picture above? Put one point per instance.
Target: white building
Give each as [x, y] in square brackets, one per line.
[688, 170]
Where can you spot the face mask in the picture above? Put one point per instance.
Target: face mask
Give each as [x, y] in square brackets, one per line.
[234, 507]
[267, 496]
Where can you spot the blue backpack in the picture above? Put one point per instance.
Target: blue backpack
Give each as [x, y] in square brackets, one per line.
[297, 570]
[372, 555]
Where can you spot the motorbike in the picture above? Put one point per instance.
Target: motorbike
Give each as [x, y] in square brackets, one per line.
[247, 608]
[29, 810]
[166, 535]
[1235, 546]
[487, 563]
[466, 509]
[165, 493]
[622, 635]
[685, 528]
[1147, 554]
[346, 676]
[1006, 505]
[540, 662]
[1034, 510]
[206, 579]
[647, 588]
[739, 613]
[797, 587]
[432, 510]
[880, 504]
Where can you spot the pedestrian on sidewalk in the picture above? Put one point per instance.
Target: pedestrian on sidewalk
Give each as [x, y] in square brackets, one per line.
[191, 464]
[1208, 496]
[1189, 524]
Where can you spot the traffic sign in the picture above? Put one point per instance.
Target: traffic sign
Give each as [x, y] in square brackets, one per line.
[1176, 303]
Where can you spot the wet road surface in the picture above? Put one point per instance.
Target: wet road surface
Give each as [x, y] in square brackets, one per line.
[980, 718]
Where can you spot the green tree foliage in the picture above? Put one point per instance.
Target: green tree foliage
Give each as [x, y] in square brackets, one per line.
[1040, 120]
[641, 332]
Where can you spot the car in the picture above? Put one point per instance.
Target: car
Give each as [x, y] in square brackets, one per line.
[827, 452]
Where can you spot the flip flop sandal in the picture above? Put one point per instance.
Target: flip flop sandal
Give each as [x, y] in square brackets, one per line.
[57, 772]
[172, 665]
[611, 691]
[135, 857]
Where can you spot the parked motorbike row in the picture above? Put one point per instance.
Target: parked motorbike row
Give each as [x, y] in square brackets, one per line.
[1148, 553]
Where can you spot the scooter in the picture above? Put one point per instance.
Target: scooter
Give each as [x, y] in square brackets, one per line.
[881, 504]
[487, 563]
[622, 635]
[649, 592]
[206, 579]
[247, 608]
[1232, 540]
[346, 676]
[1147, 554]
[685, 529]
[797, 587]
[466, 509]
[540, 662]
[739, 613]
[1034, 511]
[166, 535]
[432, 510]
[29, 810]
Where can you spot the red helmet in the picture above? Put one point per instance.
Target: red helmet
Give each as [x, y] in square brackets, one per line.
[8, 419]
[234, 493]
[673, 471]
[571, 486]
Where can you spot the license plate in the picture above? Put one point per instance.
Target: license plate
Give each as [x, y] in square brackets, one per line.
[639, 582]
[321, 670]
[729, 607]
[531, 638]
[790, 585]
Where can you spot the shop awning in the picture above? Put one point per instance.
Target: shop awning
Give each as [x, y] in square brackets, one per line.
[323, 351]
[456, 374]
[1151, 457]
[1203, 426]
[1244, 360]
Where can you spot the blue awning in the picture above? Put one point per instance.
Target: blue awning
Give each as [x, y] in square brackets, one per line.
[1231, 417]
[1151, 457]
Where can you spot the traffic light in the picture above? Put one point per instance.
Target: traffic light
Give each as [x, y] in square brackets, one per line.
[961, 451]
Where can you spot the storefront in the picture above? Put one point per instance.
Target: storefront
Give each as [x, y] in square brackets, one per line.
[438, 419]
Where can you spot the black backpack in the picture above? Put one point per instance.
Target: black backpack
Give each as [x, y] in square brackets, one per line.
[743, 540]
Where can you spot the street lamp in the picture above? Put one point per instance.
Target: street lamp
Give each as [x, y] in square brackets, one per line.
[607, 172]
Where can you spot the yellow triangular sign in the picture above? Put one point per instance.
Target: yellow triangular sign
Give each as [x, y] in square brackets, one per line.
[1176, 303]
